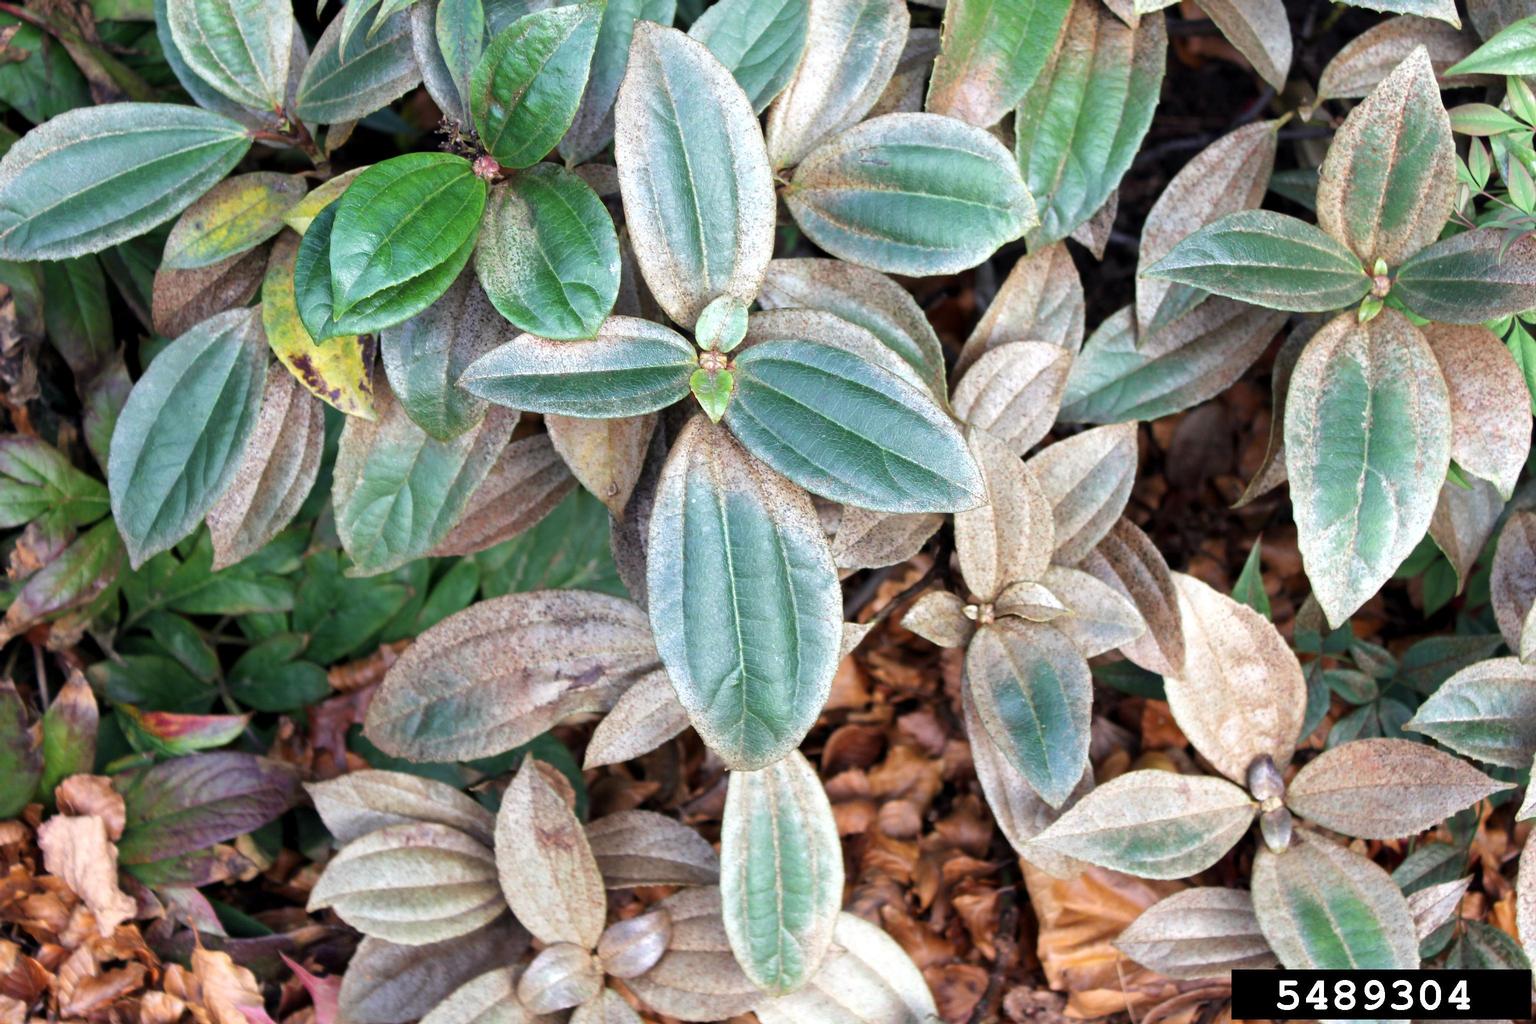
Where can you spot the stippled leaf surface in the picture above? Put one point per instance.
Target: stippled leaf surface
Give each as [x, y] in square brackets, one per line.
[96, 176]
[1364, 61]
[378, 69]
[782, 883]
[1198, 933]
[1007, 539]
[1152, 824]
[1127, 560]
[593, 127]
[698, 193]
[759, 42]
[1087, 479]
[1041, 300]
[1512, 580]
[992, 52]
[357, 803]
[548, 874]
[1261, 31]
[1468, 278]
[180, 437]
[865, 968]
[1014, 391]
[338, 370]
[499, 673]
[1490, 404]
[1367, 444]
[235, 215]
[915, 194]
[635, 848]
[698, 978]
[736, 552]
[1486, 712]
[239, 47]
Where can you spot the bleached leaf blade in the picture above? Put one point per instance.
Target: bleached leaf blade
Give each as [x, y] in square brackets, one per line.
[698, 979]
[1486, 712]
[643, 848]
[1009, 538]
[1490, 404]
[549, 875]
[1014, 390]
[1040, 300]
[1087, 479]
[1127, 560]
[991, 54]
[1198, 933]
[357, 803]
[866, 979]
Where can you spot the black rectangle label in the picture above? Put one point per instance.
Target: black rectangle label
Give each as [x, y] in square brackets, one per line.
[1381, 995]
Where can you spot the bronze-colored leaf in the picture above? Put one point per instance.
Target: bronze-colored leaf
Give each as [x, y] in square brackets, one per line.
[698, 979]
[1099, 618]
[1490, 403]
[1365, 60]
[637, 848]
[1463, 522]
[1512, 583]
[182, 299]
[606, 456]
[1040, 300]
[1013, 391]
[645, 717]
[526, 482]
[1198, 933]
[387, 983]
[1087, 479]
[1011, 537]
[358, 803]
[548, 874]
[939, 617]
[1127, 560]
[870, 540]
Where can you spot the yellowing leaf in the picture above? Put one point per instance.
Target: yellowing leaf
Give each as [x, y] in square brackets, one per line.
[337, 370]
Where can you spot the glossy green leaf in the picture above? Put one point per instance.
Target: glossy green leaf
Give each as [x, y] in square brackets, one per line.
[852, 49]
[1486, 711]
[548, 256]
[781, 886]
[593, 128]
[864, 297]
[239, 47]
[1322, 906]
[376, 72]
[631, 367]
[459, 35]
[180, 438]
[849, 430]
[434, 200]
[237, 214]
[1388, 184]
[698, 194]
[313, 291]
[1267, 259]
[744, 598]
[425, 356]
[1367, 444]
[1152, 824]
[1032, 692]
[911, 194]
[337, 370]
[713, 391]
[373, 13]
[1512, 51]
[397, 491]
[1195, 358]
[1084, 117]
[525, 90]
[992, 52]
[758, 41]
[1469, 278]
[96, 176]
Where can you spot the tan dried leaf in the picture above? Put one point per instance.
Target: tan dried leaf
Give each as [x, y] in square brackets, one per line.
[1490, 403]
[645, 717]
[561, 976]
[1261, 31]
[1128, 561]
[282, 460]
[412, 884]
[524, 484]
[548, 873]
[358, 803]
[939, 617]
[1099, 617]
[866, 979]
[1386, 788]
[1271, 472]
[78, 850]
[1512, 582]
[871, 540]
[698, 979]
[1525, 903]
[1436, 905]
[230, 993]
[1463, 522]
[1241, 693]
[1013, 391]
[645, 848]
[633, 946]
[1365, 60]
[1040, 300]
[84, 795]
[608, 1007]
[1011, 537]
[1198, 933]
[1087, 478]
[1032, 601]
[1093, 233]
[909, 83]
[606, 456]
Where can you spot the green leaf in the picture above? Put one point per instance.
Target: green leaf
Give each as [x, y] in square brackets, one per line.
[713, 391]
[698, 194]
[69, 734]
[193, 802]
[239, 47]
[21, 756]
[1033, 692]
[1198, 356]
[37, 481]
[45, 82]
[525, 90]
[336, 370]
[915, 194]
[1249, 588]
[1388, 184]
[1486, 711]
[459, 30]
[77, 577]
[1084, 117]
[425, 356]
[864, 297]
[96, 176]
[397, 491]
[781, 884]
[852, 49]
[992, 53]
[1268, 259]
[1367, 444]
[501, 672]
[236, 215]
[849, 430]
[1469, 278]
[77, 315]
[434, 200]
[1322, 906]
[373, 75]
[633, 366]
[548, 256]
[183, 433]
[758, 41]
[744, 598]
[1512, 51]
[375, 12]
[593, 128]
[1152, 824]
[313, 294]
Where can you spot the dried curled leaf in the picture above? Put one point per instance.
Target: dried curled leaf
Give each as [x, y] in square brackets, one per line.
[78, 850]
[645, 717]
[548, 874]
[1198, 933]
